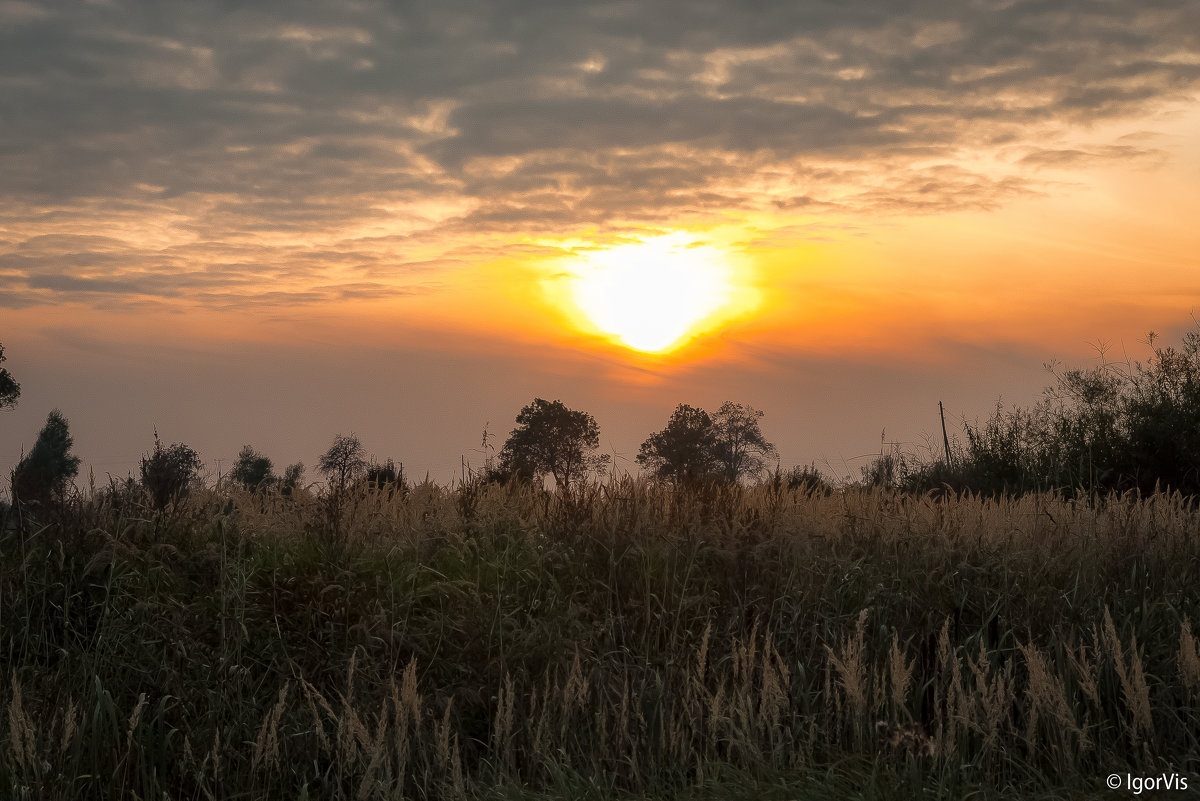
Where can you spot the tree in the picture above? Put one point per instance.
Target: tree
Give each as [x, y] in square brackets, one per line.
[43, 475]
[684, 451]
[168, 472]
[344, 461]
[10, 390]
[292, 477]
[552, 439]
[253, 470]
[740, 448]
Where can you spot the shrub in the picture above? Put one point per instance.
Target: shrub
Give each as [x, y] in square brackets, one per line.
[885, 470]
[292, 476]
[253, 470]
[1161, 415]
[168, 472]
[386, 477]
[1119, 426]
[809, 479]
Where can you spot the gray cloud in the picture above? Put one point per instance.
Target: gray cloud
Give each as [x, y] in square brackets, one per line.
[380, 130]
[1068, 158]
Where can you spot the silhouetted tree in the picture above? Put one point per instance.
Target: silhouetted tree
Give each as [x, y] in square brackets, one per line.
[252, 470]
[740, 448]
[42, 476]
[684, 451]
[10, 390]
[292, 477]
[552, 439]
[168, 472]
[344, 461]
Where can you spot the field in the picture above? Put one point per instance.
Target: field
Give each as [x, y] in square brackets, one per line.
[622, 641]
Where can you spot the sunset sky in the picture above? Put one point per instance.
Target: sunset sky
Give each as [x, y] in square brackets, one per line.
[271, 225]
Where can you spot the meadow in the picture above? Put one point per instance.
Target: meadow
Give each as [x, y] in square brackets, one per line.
[626, 639]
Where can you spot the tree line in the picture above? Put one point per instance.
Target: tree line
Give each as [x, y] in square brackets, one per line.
[1120, 426]
[550, 441]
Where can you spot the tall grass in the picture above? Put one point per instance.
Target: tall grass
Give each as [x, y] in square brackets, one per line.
[624, 640]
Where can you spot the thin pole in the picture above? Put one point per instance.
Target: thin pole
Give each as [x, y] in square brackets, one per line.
[945, 439]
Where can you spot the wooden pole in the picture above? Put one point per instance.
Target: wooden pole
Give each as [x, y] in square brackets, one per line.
[945, 439]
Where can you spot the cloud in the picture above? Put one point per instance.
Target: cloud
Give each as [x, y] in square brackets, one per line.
[195, 143]
[1070, 158]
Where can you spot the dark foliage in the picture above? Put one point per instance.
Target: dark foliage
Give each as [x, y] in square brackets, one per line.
[696, 446]
[740, 449]
[1124, 426]
[345, 461]
[551, 439]
[684, 451]
[292, 476]
[808, 479]
[168, 472]
[44, 474]
[10, 390]
[386, 477]
[253, 470]
[886, 470]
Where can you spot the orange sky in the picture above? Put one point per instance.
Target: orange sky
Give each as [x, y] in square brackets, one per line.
[261, 227]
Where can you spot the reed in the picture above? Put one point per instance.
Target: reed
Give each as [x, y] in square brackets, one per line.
[621, 641]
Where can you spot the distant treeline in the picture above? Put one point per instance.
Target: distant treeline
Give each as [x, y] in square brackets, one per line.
[1120, 426]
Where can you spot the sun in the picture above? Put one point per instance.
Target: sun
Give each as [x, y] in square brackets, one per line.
[653, 296]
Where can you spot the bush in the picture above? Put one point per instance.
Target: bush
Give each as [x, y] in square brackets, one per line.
[809, 479]
[1162, 419]
[253, 470]
[1123, 426]
[886, 470]
[387, 477]
[168, 472]
[292, 476]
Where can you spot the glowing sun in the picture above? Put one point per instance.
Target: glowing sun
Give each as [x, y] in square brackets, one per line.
[652, 296]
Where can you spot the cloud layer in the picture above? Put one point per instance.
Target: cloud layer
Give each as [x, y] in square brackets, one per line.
[225, 154]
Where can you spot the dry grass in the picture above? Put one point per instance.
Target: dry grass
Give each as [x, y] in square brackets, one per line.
[450, 643]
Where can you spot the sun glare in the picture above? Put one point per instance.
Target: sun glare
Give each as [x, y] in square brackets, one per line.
[652, 296]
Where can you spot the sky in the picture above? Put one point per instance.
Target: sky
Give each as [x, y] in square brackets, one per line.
[240, 224]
